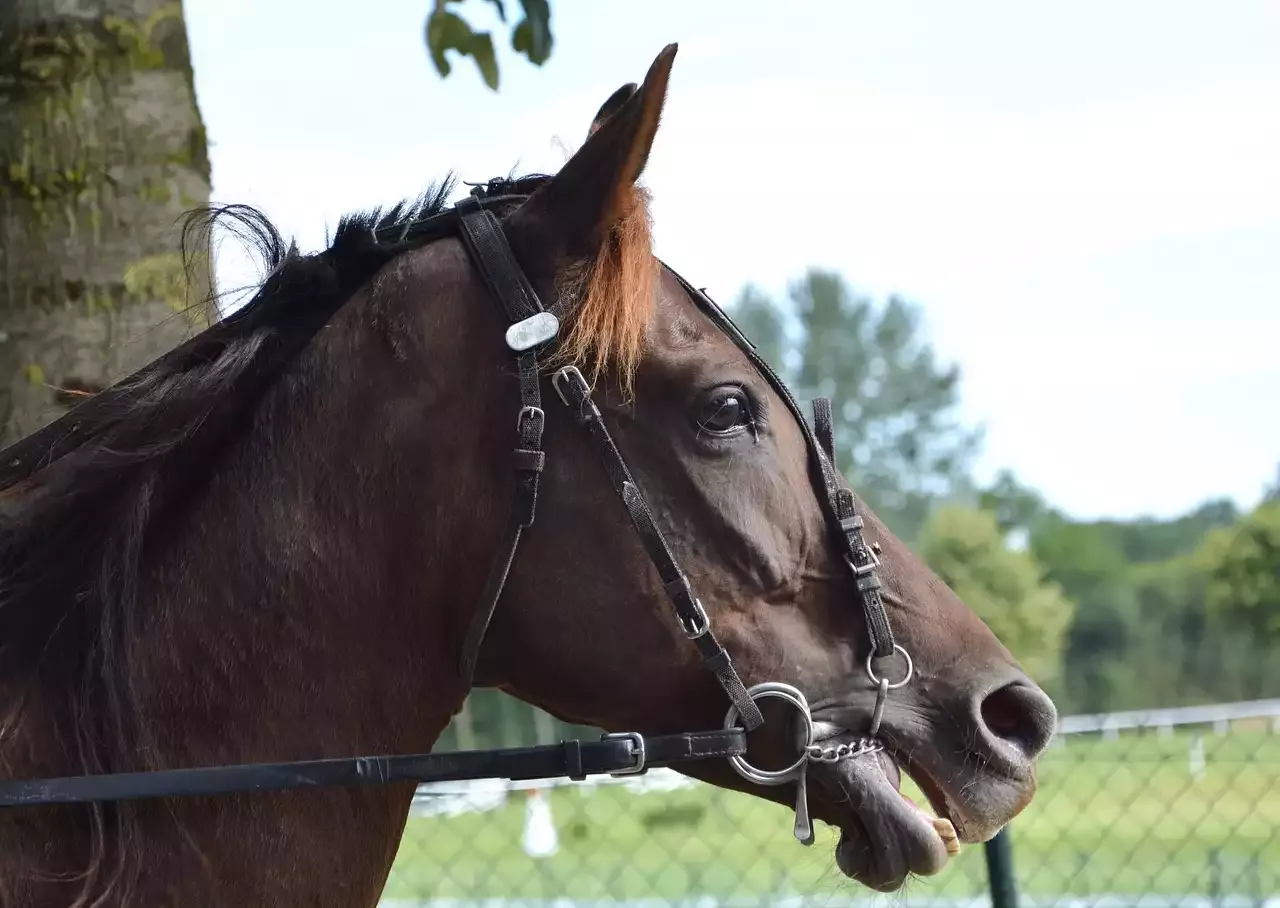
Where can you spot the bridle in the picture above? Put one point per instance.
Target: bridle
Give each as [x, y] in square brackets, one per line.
[532, 329]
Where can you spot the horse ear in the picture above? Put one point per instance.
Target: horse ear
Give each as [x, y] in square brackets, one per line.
[611, 106]
[571, 214]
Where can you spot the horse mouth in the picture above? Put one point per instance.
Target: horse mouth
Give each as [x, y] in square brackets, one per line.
[884, 835]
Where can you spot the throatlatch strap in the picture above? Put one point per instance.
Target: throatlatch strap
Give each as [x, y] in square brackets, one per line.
[859, 556]
[575, 393]
[482, 234]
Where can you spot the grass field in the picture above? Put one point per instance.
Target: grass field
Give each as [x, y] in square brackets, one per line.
[1121, 817]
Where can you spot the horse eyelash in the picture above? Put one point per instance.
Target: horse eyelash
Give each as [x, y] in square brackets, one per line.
[750, 403]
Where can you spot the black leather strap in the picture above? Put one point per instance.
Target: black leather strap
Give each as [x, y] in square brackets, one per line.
[576, 394]
[857, 554]
[482, 235]
[620, 754]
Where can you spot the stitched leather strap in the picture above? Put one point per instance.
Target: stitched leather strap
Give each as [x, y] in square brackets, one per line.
[576, 759]
[857, 554]
[482, 234]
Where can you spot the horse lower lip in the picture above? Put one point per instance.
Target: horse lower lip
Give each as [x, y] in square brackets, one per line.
[887, 842]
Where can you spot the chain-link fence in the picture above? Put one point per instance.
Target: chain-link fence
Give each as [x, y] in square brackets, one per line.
[1185, 816]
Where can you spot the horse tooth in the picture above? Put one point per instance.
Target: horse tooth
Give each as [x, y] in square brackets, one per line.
[824, 730]
[942, 826]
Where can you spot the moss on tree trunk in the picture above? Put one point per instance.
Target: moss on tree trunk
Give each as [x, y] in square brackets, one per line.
[102, 149]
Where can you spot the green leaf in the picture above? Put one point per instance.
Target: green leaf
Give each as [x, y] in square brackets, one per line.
[532, 37]
[482, 50]
[502, 9]
[446, 31]
[449, 31]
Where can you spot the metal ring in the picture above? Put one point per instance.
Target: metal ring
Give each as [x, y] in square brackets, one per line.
[791, 695]
[911, 668]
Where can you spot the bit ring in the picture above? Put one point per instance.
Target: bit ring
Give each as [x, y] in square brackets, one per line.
[788, 694]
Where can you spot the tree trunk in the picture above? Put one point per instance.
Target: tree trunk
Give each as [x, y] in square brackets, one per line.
[102, 149]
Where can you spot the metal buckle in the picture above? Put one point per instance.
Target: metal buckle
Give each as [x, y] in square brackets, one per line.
[637, 750]
[532, 412]
[568, 373]
[865, 569]
[697, 630]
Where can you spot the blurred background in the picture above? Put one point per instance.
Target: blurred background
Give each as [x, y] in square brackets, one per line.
[1034, 249]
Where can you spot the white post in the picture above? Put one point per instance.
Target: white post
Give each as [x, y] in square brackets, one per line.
[1195, 758]
[539, 839]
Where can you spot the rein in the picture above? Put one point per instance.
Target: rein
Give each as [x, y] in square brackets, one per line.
[532, 328]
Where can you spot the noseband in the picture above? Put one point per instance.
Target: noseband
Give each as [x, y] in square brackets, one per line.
[532, 328]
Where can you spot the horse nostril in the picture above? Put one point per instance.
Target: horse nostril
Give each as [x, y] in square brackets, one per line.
[1022, 715]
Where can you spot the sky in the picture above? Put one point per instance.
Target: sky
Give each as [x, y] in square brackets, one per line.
[1083, 198]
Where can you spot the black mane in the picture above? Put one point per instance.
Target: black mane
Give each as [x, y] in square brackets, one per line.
[78, 497]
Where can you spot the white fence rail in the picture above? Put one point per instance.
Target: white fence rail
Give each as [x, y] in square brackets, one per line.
[1219, 715]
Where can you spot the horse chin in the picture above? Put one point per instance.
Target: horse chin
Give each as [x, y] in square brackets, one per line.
[884, 835]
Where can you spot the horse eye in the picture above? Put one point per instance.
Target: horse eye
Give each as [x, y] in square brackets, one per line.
[725, 412]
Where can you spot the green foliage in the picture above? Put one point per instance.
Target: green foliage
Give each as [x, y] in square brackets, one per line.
[1243, 567]
[1014, 506]
[532, 36]
[1146, 631]
[1004, 587]
[447, 31]
[896, 438]
[759, 319]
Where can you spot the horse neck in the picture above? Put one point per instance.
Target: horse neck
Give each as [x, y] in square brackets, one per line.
[308, 601]
[307, 604]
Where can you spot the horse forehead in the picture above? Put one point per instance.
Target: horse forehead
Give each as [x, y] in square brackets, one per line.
[679, 323]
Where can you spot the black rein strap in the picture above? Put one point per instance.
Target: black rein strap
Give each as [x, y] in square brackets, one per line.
[619, 754]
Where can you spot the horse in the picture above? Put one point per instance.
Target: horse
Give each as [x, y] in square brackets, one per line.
[309, 531]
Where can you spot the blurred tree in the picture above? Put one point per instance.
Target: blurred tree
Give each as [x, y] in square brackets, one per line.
[102, 148]
[1017, 508]
[761, 321]
[1243, 566]
[447, 30]
[1146, 539]
[1141, 635]
[1095, 575]
[1005, 588]
[896, 438]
